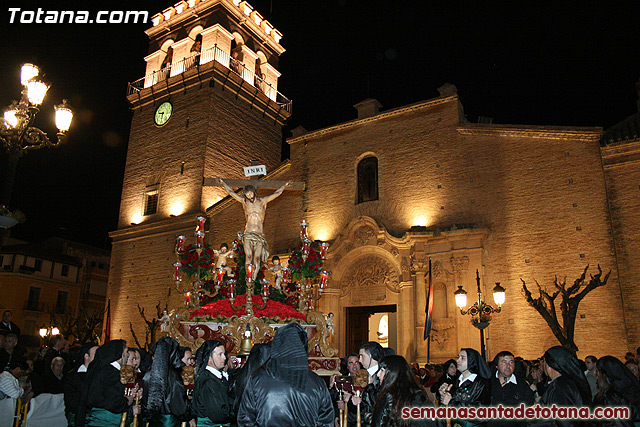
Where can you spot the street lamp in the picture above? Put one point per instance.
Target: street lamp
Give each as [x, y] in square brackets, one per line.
[17, 133]
[48, 332]
[480, 311]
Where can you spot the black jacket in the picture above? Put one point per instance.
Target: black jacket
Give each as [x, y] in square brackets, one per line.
[211, 398]
[470, 393]
[269, 402]
[383, 412]
[509, 395]
[562, 392]
[72, 387]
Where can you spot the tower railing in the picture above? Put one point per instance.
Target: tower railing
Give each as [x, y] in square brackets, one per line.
[200, 58]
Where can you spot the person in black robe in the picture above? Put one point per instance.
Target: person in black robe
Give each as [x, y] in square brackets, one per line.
[568, 386]
[211, 402]
[284, 392]
[257, 357]
[164, 397]
[472, 387]
[103, 401]
[617, 386]
[74, 381]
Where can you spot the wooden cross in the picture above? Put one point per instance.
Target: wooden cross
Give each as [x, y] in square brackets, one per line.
[258, 183]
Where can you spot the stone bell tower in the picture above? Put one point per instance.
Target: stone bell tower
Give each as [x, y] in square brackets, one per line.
[207, 105]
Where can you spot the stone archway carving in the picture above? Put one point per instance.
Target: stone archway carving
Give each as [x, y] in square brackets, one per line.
[368, 278]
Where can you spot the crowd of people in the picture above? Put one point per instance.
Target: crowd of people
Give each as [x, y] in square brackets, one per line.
[110, 384]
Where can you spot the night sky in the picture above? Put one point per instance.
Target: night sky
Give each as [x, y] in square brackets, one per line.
[542, 63]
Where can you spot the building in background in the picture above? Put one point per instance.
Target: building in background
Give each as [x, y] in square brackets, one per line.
[45, 283]
[389, 190]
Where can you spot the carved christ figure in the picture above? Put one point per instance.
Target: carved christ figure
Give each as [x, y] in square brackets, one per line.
[255, 245]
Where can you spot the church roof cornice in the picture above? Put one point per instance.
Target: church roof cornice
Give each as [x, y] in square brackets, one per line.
[532, 131]
[380, 116]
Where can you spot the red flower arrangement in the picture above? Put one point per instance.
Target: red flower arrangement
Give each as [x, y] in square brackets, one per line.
[301, 268]
[222, 309]
[191, 263]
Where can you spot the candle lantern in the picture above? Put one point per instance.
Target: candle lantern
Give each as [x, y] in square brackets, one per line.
[250, 269]
[180, 244]
[199, 238]
[306, 245]
[323, 250]
[303, 229]
[265, 288]
[232, 288]
[176, 275]
[220, 274]
[188, 295]
[285, 274]
[324, 277]
[200, 224]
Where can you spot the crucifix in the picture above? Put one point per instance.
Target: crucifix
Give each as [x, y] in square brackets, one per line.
[255, 245]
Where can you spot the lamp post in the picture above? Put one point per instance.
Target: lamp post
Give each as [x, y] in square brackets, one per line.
[46, 333]
[480, 311]
[17, 133]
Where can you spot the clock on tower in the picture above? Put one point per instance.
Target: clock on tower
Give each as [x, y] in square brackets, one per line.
[207, 105]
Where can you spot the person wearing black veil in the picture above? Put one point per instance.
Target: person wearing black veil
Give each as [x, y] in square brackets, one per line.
[568, 386]
[211, 403]
[102, 401]
[73, 382]
[449, 376]
[617, 386]
[164, 397]
[472, 388]
[284, 392]
[257, 357]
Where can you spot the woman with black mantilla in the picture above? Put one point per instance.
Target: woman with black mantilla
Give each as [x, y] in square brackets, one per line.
[103, 400]
[617, 386]
[568, 386]
[398, 390]
[211, 402]
[164, 397]
[472, 386]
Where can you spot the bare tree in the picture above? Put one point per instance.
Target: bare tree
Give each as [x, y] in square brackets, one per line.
[545, 304]
[150, 327]
[83, 325]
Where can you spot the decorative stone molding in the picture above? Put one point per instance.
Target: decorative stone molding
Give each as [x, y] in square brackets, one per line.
[460, 263]
[363, 235]
[371, 275]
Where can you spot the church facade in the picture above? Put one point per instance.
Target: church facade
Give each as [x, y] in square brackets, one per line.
[389, 191]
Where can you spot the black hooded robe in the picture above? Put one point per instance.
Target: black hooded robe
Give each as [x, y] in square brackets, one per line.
[284, 392]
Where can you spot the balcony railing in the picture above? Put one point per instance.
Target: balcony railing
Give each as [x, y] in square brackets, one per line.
[213, 54]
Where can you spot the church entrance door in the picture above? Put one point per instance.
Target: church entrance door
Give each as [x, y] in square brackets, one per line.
[358, 324]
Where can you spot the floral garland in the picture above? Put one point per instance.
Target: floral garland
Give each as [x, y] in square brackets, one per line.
[192, 264]
[222, 309]
[305, 269]
[239, 273]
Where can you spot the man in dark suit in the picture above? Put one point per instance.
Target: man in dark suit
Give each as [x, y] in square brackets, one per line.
[508, 389]
[7, 326]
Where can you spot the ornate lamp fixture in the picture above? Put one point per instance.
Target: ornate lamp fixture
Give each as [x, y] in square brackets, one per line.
[17, 133]
[480, 311]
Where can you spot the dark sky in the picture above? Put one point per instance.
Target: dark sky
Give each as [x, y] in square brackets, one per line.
[542, 62]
